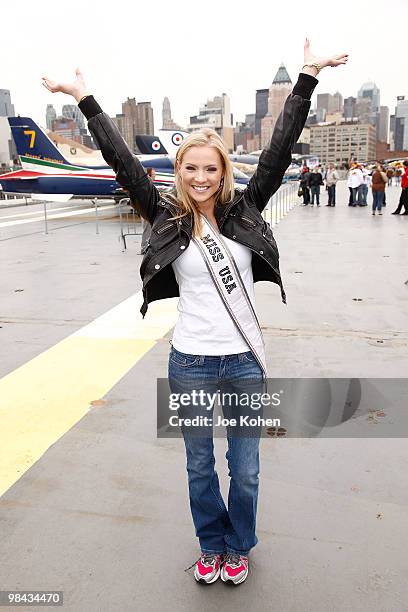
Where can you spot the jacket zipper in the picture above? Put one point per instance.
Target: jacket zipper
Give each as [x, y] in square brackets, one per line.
[165, 227]
[247, 220]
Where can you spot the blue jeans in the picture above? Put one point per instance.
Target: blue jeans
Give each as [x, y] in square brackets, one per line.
[220, 529]
[362, 194]
[378, 200]
[315, 191]
[306, 195]
[353, 196]
[331, 193]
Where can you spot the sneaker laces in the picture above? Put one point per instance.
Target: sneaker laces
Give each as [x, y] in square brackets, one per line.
[232, 559]
[235, 559]
[207, 559]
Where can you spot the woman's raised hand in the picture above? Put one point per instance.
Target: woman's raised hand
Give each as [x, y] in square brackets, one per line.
[77, 88]
[334, 60]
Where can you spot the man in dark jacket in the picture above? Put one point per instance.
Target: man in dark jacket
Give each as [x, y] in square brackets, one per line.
[304, 185]
[315, 180]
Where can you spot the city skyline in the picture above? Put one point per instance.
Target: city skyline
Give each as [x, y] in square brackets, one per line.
[190, 73]
[158, 113]
[314, 106]
[246, 135]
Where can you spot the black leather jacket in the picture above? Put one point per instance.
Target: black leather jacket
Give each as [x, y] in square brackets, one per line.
[240, 219]
[315, 179]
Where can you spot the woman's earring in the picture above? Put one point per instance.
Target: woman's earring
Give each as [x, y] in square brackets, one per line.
[222, 182]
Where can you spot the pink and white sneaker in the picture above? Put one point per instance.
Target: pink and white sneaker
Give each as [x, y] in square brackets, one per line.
[234, 568]
[208, 568]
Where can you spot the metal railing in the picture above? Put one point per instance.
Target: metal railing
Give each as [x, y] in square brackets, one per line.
[14, 199]
[94, 204]
[281, 203]
[128, 220]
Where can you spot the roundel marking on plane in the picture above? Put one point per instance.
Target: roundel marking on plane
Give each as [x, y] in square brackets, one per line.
[177, 139]
[156, 145]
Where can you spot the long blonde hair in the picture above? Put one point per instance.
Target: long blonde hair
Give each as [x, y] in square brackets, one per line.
[204, 137]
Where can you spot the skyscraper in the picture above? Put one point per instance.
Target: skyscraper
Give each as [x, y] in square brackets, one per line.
[136, 118]
[323, 101]
[331, 103]
[363, 111]
[278, 92]
[382, 127]
[166, 113]
[215, 114]
[167, 121]
[368, 101]
[71, 111]
[336, 103]
[371, 92]
[7, 147]
[392, 132]
[261, 108]
[349, 108]
[50, 115]
[144, 118]
[6, 107]
[401, 125]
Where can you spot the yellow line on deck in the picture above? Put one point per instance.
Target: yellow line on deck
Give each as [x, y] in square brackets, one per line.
[44, 398]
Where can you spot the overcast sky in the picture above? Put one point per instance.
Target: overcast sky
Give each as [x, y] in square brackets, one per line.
[192, 51]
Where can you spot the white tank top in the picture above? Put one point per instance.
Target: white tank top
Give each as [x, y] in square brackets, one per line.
[204, 326]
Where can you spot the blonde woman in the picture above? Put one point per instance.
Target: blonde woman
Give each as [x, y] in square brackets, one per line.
[209, 244]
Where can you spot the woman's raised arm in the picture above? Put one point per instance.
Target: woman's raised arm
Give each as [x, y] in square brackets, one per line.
[130, 173]
[276, 157]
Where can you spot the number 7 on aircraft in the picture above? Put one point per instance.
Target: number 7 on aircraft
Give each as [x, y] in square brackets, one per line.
[30, 133]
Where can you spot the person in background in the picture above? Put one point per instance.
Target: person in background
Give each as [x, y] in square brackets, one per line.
[304, 185]
[403, 201]
[332, 177]
[363, 188]
[398, 172]
[354, 180]
[349, 185]
[315, 181]
[378, 182]
[390, 174]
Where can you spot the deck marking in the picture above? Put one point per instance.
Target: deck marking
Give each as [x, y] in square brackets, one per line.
[41, 400]
[40, 211]
[51, 216]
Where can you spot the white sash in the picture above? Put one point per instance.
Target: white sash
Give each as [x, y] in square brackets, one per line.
[229, 284]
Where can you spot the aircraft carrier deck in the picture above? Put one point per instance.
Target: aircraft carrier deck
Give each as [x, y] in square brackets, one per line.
[94, 505]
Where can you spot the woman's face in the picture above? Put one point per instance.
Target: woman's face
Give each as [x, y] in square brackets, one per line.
[201, 172]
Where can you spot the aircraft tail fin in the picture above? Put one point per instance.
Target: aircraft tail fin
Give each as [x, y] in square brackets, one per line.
[165, 143]
[150, 145]
[32, 142]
